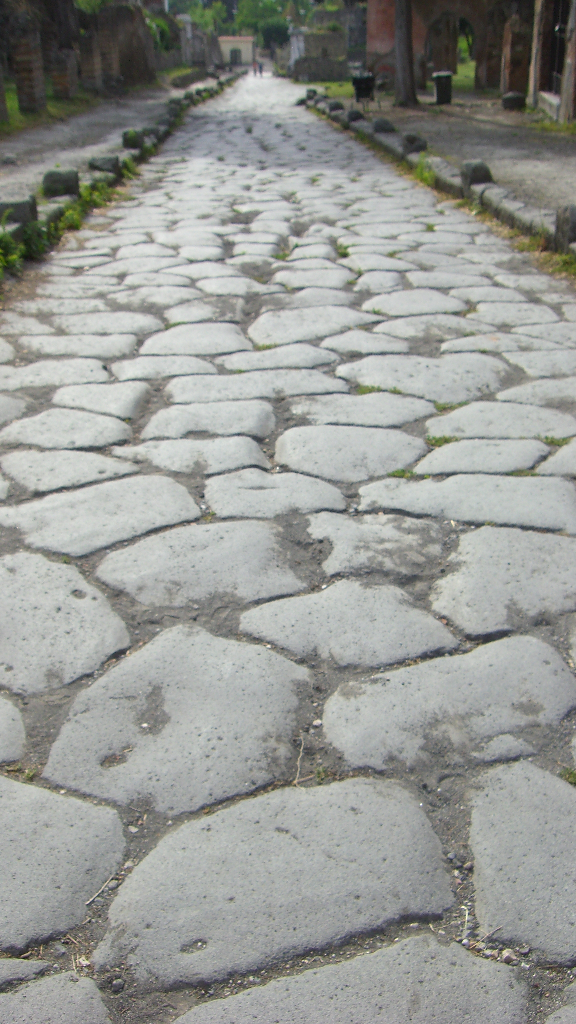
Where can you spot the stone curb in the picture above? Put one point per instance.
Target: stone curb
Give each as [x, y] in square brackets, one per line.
[500, 202]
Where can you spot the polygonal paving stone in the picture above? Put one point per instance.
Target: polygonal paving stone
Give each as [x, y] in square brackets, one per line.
[566, 1014]
[189, 720]
[541, 392]
[414, 302]
[365, 261]
[64, 999]
[416, 980]
[190, 313]
[110, 346]
[153, 367]
[365, 840]
[445, 279]
[7, 352]
[51, 373]
[159, 296]
[372, 410]
[214, 455]
[301, 356]
[563, 463]
[12, 735]
[482, 456]
[253, 384]
[337, 277]
[486, 293]
[49, 471]
[514, 314]
[350, 623]
[196, 340]
[282, 327]
[496, 341]
[387, 543]
[522, 836]
[504, 747]
[452, 378]
[434, 326]
[431, 709]
[347, 454]
[15, 323]
[11, 408]
[4, 488]
[47, 306]
[492, 419]
[377, 281]
[15, 969]
[137, 265]
[480, 498]
[251, 493]
[55, 626]
[503, 575]
[108, 323]
[236, 286]
[56, 852]
[555, 363]
[254, 418]
[123, 400]
[82, 521]
[562, 333]
[308, 297]
[66, 428]
[364, 342]
[193, 563]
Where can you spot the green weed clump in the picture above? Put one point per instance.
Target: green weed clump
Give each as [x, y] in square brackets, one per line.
[11, 251]
[366, 389]
[437, 442]
[425, 172]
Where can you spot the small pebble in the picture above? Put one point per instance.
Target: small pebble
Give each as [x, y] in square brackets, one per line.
[117, 985]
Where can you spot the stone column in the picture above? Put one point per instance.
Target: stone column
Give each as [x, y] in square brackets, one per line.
[27, 64]
[90, 62]
[109, 47]
[65, 75]
[516, 45]
[536, 57]
[3, 107]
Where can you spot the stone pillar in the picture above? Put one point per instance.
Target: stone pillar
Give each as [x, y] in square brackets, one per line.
[536, 57]
[28, 73]
[516, 45]
[65, 75]
[567, 110]
[109, 47]
[90, 62]
[3, 107]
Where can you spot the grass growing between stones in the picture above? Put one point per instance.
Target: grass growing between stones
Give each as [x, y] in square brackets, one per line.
[569, 775]
[366, 389]
[437, 442]
[557, 442]
[425, 173]
[403, 473]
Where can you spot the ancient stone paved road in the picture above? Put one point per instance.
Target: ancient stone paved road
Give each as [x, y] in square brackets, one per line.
[288, 584]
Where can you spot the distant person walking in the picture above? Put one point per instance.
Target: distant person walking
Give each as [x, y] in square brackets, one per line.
[255, 66]
[260, 68]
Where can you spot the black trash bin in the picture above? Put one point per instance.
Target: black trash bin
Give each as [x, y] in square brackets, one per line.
[443, 85]
[363, 87]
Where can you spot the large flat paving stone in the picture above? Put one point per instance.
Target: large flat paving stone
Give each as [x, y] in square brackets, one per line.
[251, 493]
[64, 999]
[514, 314]
[497, 341]
[281, 327]
[190, 313]
[254, 418]
[563, 463]
[122, 400]
[555, 363]
[189, 720]
[56, 627]
[566, 1014]
[213, 455]
[479, 498]
[394, 544]
[433, 326]
[420, 713]
[541, 392]
[253, 384]
[196, 340]
[416, 980]
[12, 735]
[7, 351]
[159, 296]
[192, 563]
[107, 346]
[364, 343]
[372, 410]
[56, 852]
[52, 373]
[337, 277]
[482, 456]
[509, 419]
[155, 367]
[301, 356]
[351, 624]
[51, 470]
[66, 428]
[19, 969]
[451, 378]
[11, 408]
[521, 837]
[347, 453]
[505, 575]
[414, 302]
[361, 850]
[108, 323]
[79, 522]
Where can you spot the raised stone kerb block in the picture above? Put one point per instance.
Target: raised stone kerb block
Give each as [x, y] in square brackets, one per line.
[19, 211]
[61, 183]
[413, 143]
[474, 172]
[565, 233]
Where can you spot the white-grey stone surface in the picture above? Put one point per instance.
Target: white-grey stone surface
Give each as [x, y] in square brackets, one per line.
[394, 544]
[455, 703]
[561, 463]
[350, 624]
[348, 454]
[152, 367]
[11, 408]
[252, 384]
[192, 563]
[296, 355]
[52, 373]
[286, 325]
[361, 850]
[95, 517]
[17, 969]
[372, 410]
[213, 455]
[196, 340]
[505, 575]
[7, 351]
[252, 493]
[100, 346]
[49, 471]
[64, 999]
[12, 735]
[122, 400]
[255, 418]
[523, 823]
[451, 378]
[190, 719]
[509, 419]
[363, 342]
[66, 428]
[56, 852]
[482, 456]
[65, 632]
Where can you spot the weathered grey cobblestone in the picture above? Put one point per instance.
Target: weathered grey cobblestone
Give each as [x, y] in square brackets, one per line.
[65, 999]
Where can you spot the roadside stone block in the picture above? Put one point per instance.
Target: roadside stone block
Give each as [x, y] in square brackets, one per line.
[251, 493]
[79, 522]
[56, 853]
[345, 453]
[563, 463]
[65, 999]
[188, 720]
[427, 711]
[7, 352]
[13, 969]
[364, 839]
[108, 323]
[66, 633]
[541, 392]
[521, 837]
[363, 342]
[300, 356]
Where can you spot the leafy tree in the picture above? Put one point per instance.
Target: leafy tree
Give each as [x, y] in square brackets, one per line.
[210, 19]
[274, 32]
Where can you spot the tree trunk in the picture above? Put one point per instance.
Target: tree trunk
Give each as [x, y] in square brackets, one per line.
[405, 87]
